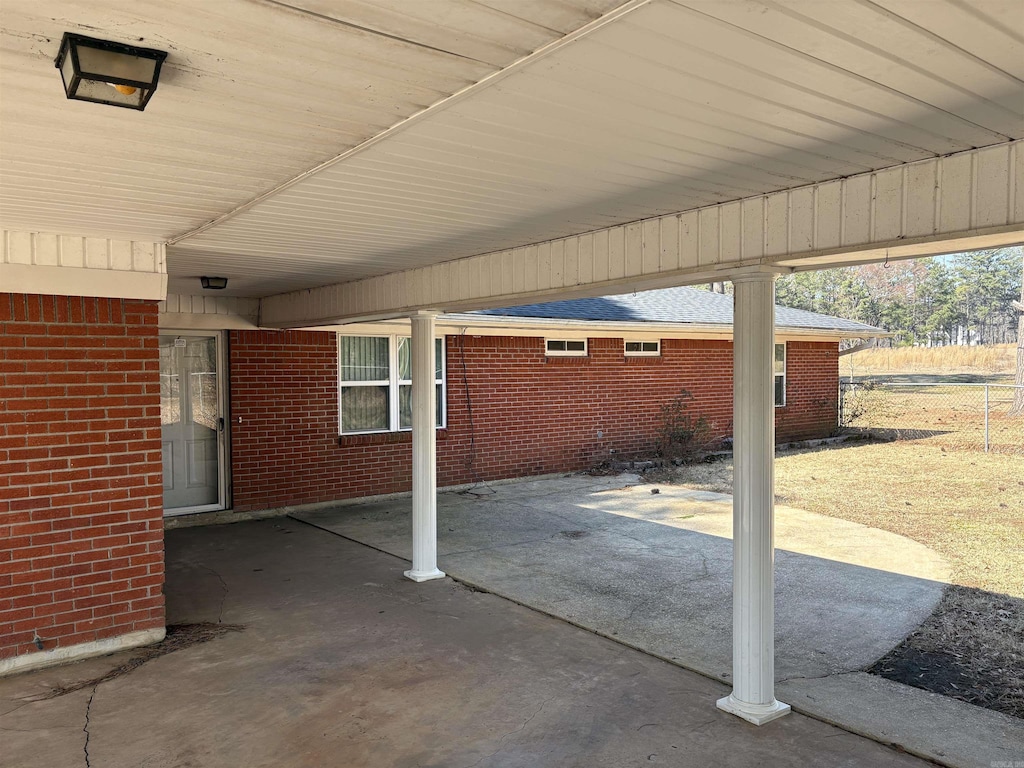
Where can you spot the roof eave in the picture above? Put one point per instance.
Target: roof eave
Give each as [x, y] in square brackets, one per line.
[724, 329]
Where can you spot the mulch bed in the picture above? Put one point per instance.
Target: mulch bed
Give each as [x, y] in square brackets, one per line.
[971, 649]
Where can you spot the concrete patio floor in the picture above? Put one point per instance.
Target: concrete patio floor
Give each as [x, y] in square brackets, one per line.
[654, 571]
[343, 662]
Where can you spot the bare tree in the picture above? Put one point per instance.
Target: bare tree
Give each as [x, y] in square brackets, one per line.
[1018, 397]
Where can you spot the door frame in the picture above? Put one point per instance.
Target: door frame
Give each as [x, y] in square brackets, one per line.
[223, 435]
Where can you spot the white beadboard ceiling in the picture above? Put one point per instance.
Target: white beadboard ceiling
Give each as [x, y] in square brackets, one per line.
[664, 106]
[253, 93]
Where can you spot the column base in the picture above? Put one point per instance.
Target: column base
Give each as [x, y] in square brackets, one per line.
[758, 714]
[424, 575]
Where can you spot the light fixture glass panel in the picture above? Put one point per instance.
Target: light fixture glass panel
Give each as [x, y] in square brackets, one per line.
[99, 90]
[115, 65]
[67, 71]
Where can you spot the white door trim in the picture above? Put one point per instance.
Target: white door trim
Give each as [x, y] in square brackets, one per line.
[223, 436]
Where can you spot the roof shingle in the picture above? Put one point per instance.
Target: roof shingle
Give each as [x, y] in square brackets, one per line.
[672, 305]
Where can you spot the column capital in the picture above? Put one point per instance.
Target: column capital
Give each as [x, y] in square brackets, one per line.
[760, 273]
[424, 313]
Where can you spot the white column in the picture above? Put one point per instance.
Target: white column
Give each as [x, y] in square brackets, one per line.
[424, 452]
[753, 632]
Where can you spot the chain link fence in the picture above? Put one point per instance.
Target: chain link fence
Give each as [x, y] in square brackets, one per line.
[961, 416]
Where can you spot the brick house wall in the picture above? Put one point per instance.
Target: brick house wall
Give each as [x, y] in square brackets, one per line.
[80, 471]
[532, 414]
[812, 392]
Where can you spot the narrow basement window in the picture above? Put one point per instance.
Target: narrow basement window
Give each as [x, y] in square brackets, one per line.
[643, 348]
[566, 348]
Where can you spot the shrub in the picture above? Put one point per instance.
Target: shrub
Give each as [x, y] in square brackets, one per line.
[682, 435]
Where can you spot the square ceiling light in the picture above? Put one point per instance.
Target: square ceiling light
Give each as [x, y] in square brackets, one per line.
[108, 73]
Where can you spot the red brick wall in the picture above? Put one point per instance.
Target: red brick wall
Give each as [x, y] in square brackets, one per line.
[536, 414]
[80, 471]
[812, 392]
[284, 419]
[532, 414]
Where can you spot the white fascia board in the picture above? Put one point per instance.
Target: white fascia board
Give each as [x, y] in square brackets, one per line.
[587, 329]
[963, 201]
[71, 265]
[187, 321]
[208, 312]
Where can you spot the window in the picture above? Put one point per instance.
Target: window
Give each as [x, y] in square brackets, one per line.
[375, 375]
[780, 374]
[566, 348]
[643, 348]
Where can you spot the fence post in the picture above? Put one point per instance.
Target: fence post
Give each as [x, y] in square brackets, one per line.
[986, 418]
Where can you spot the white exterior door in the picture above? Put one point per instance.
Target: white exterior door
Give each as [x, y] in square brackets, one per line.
[192, 422]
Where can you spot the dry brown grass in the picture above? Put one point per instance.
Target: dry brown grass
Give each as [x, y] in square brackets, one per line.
[968, 506]
[951, 416]
[994, 359]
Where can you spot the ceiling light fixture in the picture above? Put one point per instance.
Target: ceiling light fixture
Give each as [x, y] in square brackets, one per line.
[108, 73]
[214, 283]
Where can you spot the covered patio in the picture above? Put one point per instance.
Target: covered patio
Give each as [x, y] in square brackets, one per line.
[357, 162]
[341, 661]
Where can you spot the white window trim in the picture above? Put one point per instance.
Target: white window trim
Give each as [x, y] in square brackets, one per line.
[783, 375]
[566, 352]
[392, 383]
[643, 353]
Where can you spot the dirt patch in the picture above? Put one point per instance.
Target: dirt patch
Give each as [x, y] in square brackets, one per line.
[179, 636]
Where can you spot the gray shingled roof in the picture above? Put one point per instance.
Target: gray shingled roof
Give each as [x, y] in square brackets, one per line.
[672, 305]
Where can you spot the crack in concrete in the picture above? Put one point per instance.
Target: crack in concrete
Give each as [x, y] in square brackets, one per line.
[520, 729]
[85, 728]
[224, 592]
[816, 677]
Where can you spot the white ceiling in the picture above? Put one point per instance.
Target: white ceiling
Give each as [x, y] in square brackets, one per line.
[252, 94]
[674, 105]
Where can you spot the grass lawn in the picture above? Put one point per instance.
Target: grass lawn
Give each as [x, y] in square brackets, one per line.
[966, 505]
